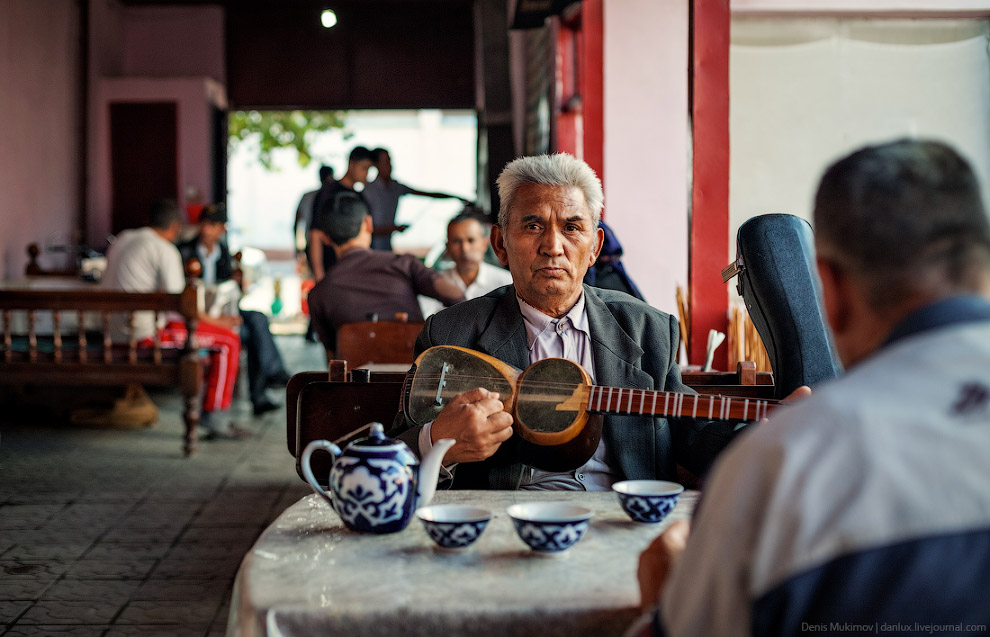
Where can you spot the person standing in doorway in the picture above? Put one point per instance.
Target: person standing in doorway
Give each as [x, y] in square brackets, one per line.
[383, 195]
[327, 200]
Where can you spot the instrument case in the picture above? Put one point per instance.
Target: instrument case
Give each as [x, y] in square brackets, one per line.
[778, 282]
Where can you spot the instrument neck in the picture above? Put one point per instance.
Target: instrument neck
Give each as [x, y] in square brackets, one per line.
[645, 402]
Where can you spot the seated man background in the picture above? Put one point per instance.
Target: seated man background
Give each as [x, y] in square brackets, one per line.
[548, 235]
[146, 260]
[265, 366]
[868, 504]
[365, 281]
[467, 243]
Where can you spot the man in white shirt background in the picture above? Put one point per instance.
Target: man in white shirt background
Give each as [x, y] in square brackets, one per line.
[467, 243]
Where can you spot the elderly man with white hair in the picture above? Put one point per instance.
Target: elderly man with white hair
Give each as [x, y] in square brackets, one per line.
[548, 236]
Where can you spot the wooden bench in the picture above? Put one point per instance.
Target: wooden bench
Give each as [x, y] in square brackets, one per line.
[82, 357]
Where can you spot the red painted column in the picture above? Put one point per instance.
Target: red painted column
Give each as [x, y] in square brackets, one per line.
[708, 297]
[593, 85]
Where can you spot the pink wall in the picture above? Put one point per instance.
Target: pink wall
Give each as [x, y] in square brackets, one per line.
[646, 142]
[39, 144]
[174, 42]
[154, 54]
[193, 97]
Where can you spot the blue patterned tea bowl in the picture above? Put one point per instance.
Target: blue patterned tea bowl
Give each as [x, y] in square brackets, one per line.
[648, 501]
[454, 526]
[549, 527]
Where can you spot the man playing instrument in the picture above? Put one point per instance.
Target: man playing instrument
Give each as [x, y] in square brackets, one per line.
[548, 236]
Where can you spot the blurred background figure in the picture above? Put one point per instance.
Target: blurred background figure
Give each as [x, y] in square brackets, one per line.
[383, 195]
[467, 244]
[327, 200]
[302, 226]
[210, 253]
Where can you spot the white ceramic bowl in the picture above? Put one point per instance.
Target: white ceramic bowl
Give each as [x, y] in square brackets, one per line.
[648, 501]
[454, 526]
[549, 527]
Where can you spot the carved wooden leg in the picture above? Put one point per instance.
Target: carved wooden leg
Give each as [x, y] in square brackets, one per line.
[191, 373]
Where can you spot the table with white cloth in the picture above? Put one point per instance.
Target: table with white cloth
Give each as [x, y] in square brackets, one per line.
[308, 575]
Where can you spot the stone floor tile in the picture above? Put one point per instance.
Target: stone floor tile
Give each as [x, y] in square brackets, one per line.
[224, 569]
[26, 516]
[88, 590]
[221, 535]
[178, 590]
[63, 612]
[31, 630]
[141, 536]
[199, 551]
[198, 613]
[23, 589]
[10, 610]
[146, 630]
[31, 569]
[133, 499]
[110, 569]
[117, 551]
[41, 552]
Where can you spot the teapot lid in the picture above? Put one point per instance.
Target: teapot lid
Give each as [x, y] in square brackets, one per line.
[376, 438]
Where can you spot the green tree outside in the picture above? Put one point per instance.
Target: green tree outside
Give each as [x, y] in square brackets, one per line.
[280, 129]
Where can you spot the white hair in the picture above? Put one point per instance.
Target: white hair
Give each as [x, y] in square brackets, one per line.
[559, 169]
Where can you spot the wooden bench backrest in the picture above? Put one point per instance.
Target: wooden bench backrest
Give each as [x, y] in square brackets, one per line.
[81, 302]
[377, 342]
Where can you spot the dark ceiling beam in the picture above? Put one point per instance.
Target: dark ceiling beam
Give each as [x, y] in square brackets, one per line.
[494, 98]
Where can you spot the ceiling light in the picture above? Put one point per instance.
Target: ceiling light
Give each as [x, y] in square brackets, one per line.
[328, 18]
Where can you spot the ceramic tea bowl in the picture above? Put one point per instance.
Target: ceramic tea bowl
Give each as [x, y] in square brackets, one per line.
[549, 527]
[454, 526]
[647, 501]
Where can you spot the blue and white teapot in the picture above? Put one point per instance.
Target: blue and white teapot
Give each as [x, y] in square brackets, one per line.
[377, 482]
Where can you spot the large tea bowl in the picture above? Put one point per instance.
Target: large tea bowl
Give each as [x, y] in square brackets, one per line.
[454, 526]
[647, 501]
[549, 527]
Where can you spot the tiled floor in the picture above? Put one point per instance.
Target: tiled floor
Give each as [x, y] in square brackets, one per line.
[112, 532]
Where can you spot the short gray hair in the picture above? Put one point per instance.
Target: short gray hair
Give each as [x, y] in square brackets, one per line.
[559, 169]
[905, 217]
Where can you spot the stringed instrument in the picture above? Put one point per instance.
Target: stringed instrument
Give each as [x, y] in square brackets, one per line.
[554, 406]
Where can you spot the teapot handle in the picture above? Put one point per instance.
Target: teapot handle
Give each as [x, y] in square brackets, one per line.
[327, 446]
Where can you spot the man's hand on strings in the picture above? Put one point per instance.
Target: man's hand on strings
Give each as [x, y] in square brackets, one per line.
[477, 420]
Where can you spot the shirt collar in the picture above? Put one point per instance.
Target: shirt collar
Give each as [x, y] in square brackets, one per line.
[537, 322]
[957, 309]
[212, 255]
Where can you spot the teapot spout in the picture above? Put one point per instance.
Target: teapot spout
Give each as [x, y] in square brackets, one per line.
[429, 470]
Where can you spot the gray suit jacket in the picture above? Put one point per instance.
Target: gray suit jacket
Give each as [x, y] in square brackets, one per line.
[634, 345]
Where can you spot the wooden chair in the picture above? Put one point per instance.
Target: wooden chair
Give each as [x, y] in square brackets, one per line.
[377, 342]
[334, 406]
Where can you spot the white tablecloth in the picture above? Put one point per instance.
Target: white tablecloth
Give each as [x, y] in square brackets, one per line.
[308, 575]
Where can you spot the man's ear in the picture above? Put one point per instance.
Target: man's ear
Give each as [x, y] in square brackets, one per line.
[323, 237]
[599, 242]
[368, 224]
[835, 292]
[498, 245]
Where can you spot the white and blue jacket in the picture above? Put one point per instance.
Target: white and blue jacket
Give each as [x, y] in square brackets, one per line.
[865, 508]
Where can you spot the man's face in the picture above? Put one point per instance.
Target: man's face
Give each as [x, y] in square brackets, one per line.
[466, 243]
[384, 166]
[549, 243]
[210, 233]
[358, 170]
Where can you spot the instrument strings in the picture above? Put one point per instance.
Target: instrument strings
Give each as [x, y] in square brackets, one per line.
[544, 384]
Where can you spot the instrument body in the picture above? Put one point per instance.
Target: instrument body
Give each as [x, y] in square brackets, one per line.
[555, 408]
